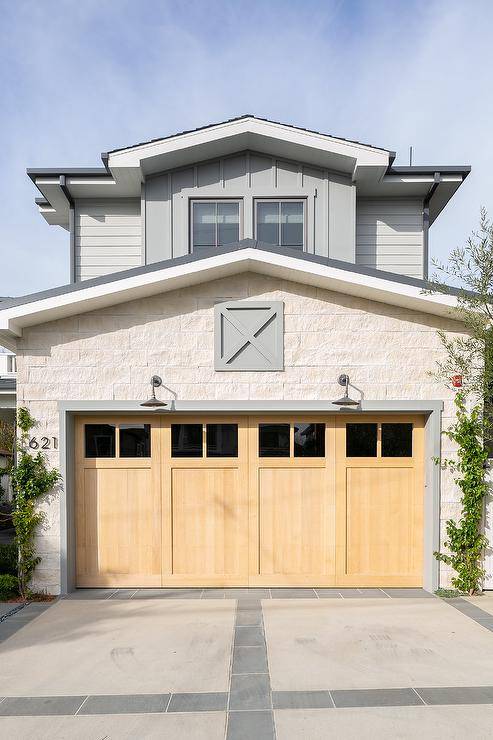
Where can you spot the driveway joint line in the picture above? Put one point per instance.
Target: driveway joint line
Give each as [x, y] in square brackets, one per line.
[83, 702]
[416, 691]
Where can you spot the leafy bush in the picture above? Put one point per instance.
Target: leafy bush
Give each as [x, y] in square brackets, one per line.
[8, 586]
[8, 559]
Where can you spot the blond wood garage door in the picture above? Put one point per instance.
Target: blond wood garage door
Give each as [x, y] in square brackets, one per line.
[259, 500]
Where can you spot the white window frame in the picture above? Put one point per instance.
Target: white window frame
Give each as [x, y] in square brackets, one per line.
[215, 201]
[293, 199]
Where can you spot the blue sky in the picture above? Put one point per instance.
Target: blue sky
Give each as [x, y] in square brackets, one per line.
[78, 78]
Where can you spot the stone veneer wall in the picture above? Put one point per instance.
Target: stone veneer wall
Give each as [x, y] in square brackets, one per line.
[111, 354]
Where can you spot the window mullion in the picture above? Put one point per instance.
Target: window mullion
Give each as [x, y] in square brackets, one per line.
[215, 219]
[279, 216]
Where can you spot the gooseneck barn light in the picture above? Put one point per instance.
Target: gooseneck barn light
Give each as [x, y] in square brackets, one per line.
[153, 402]
[345, 400]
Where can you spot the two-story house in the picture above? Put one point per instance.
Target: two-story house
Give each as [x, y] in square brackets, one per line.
[235, 383]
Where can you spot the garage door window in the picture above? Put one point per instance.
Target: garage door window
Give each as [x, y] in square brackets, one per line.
[186, 440]
[273, 440]
[309, 440]
[100, 440]
[361, 440]
[397, 440]
[135, 440]
[222, 440]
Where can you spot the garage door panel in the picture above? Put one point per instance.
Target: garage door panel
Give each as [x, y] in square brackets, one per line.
[382, 522]
[119, 535]
[294, 522]
[209, 520]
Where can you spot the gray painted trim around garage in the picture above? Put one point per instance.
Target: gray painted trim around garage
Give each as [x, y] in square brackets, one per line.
[432, 410]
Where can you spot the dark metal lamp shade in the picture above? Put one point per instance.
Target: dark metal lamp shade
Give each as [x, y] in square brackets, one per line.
[153, 403]
[345, 401]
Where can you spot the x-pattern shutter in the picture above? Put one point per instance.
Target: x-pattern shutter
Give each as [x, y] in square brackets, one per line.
[249, 335]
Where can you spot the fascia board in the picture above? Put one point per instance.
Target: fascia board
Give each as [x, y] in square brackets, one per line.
[14, 319]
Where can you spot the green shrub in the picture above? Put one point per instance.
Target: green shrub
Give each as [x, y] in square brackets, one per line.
[8, 559]
[8, 586]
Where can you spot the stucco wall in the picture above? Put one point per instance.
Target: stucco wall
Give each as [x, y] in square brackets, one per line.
[111, 354]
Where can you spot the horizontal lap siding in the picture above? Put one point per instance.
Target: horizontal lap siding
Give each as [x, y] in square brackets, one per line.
[389, 235]
[108, 237]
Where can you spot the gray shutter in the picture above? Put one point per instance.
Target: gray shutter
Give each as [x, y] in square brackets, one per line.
[249, 335]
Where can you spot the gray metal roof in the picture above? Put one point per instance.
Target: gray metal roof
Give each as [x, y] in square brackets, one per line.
[240, 118]
[243, 244]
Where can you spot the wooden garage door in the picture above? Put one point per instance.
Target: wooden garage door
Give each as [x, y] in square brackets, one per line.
[380, 491]
[118, 501]
[234, 501]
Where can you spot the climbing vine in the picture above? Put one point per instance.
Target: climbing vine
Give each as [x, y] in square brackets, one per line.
[465, 540]
[30, 480]
[469, 354]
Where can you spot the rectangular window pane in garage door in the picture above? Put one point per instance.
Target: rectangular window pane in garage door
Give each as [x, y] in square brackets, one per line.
[222, 440]
[186, 440]
[273, 440]
[100, 440]
[361, 440]
[309, 440]
[135, 440]
[397, 440]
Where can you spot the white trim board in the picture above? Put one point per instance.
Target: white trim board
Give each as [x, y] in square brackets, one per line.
[50, 308]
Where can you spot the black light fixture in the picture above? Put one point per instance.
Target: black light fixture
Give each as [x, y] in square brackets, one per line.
[345, 400]
[153, 402]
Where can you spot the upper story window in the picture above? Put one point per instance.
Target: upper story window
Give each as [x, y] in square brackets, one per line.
[281, 222]
[215, 222]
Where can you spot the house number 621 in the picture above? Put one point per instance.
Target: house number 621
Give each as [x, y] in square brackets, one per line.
[45, 443]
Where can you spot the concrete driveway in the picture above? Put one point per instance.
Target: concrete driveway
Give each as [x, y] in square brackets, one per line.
[242, 664]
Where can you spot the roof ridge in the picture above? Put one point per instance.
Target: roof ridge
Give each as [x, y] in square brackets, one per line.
[240, 118]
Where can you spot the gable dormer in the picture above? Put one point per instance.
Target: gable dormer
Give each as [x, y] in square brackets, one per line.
[247, 178]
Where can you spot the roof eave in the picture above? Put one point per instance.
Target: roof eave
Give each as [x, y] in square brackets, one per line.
[53, 305]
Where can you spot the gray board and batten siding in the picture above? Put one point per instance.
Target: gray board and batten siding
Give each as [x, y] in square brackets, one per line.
[118, 234]
[329, 202]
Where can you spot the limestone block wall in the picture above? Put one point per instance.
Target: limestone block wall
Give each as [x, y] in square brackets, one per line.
[111, 353]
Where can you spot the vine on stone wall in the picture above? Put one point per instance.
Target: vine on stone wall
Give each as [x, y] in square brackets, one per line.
[30, 481]
[465, 540]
